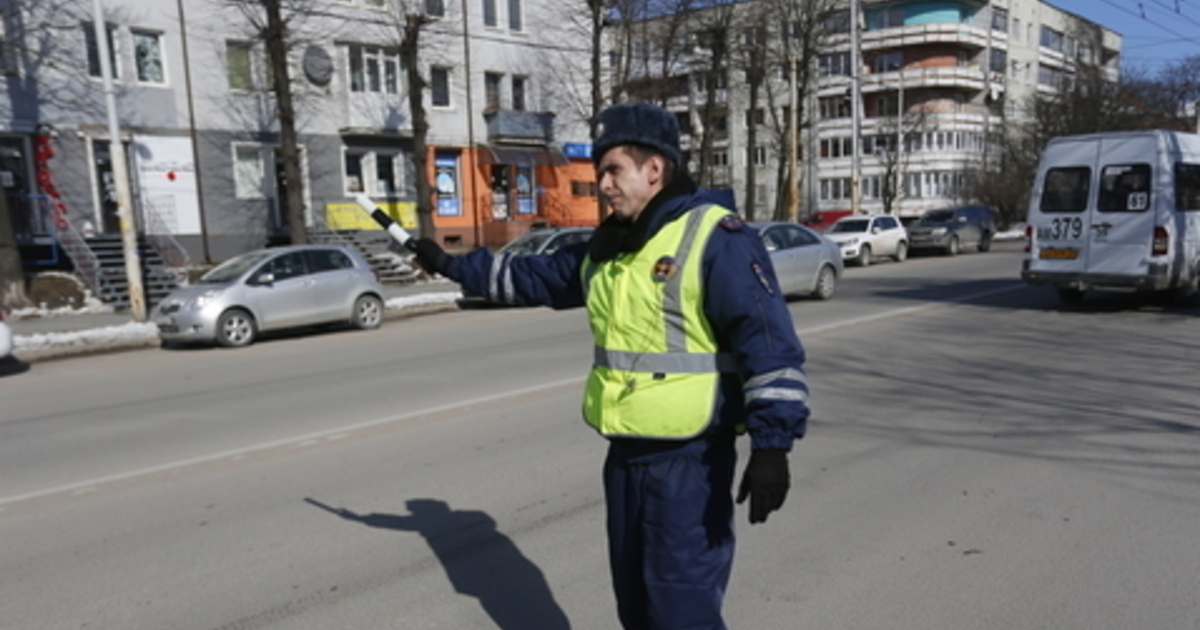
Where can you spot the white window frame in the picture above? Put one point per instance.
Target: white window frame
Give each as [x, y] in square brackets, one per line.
[369, 168]
[241, 188]
[135, 33]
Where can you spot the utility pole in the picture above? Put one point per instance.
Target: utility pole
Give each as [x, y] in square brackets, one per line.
[133, 267]
[855, 110]
[793, 198]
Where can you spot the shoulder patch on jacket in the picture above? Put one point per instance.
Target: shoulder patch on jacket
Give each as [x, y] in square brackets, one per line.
[762, 278]
[732, 223]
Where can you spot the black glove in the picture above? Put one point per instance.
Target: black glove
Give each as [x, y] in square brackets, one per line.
[432, 257]
[766, 482]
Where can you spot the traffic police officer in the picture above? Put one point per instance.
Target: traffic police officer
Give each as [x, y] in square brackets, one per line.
[693, 345]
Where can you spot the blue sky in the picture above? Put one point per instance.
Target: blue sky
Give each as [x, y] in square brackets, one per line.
[1169, 30]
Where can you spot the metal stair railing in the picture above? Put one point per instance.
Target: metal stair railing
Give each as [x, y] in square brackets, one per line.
[87, 265]
[160, 235]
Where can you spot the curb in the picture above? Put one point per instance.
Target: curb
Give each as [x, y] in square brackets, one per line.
[140, 343]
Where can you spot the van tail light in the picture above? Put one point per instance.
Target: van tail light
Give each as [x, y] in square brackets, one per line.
[1028, 238]
[1161, 241]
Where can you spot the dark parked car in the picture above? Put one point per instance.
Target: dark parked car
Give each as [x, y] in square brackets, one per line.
[950, 230]
[546, 241]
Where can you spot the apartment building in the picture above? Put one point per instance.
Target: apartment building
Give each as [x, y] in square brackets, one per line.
[197, 118]
[936, 79]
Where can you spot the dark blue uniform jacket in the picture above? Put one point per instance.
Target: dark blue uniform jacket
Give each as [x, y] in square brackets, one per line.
[742, 301]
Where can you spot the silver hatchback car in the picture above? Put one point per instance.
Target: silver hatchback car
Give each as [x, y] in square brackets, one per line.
[272, 289]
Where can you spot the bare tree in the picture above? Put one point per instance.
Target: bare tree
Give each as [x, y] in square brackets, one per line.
[714, 31]
[889, 150]
[412, 22]
[277, 23]
[749, 53]
[803, 36]
[45, 77]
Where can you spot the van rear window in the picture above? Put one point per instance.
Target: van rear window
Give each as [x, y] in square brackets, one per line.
[1187, 186]
[1066, 189]
[1124, 188]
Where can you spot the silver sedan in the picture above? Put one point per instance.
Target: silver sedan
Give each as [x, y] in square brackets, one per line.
[806, 263]
[271, 289]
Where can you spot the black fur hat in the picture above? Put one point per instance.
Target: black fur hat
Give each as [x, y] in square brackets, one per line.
[638, 123]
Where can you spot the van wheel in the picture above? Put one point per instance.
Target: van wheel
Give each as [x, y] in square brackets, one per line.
[1070, 296]
[864, 256]
[901, 252]
[826, 283]
[368, 312]
[952, 247]
[236, 328]
[985, 242]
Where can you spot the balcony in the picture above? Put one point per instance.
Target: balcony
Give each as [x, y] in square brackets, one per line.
[968, 35]
[509, 126]
[969, 77]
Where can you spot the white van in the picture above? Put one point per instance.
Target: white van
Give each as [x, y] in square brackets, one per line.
[1116, 210]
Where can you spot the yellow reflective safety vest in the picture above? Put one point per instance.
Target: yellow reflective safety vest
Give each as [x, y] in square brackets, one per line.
[656, 367]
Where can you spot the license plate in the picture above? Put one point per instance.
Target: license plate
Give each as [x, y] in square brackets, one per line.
[1058, 254]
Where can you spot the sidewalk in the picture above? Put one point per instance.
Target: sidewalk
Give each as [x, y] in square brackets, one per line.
[51, 335]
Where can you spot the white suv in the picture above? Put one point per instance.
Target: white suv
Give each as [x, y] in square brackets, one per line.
[864, 236]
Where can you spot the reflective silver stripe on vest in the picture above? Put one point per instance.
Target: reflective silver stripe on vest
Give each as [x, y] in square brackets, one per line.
[673, 317]
[500, 277]
[666, 362]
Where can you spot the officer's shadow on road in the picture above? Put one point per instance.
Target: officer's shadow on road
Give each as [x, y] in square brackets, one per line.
[478, 560]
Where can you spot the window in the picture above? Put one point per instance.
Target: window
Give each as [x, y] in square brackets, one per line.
[491, 89]
[514, 15]
[584, 189]
[755, 117]
[837, 64]
[836, 22]
[1066, 189]
[373, 69]
[756, 36]
[489, 13]
[1051, 38]
[147, 55]
[720, 123]
[1187, 186]
[372, 171]
[439, 86]
[249, 176]
[891, 17]
[889, 62]
[834, 107]
[435, 8]
[238, 66]
[1016, 29]
[1052, 77]
[328, 260]
[887, 106]
[386, 184]
[1124, 188]
[287, 266]
[93, 50]
[518, 93]
[999, 60]
[999, 19]
[720, 158]
[353, 172]
[758, 157]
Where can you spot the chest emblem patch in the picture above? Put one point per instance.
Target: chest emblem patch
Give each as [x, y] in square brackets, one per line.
[665, 269]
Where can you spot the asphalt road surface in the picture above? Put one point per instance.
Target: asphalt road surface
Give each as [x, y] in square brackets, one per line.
[980, 458]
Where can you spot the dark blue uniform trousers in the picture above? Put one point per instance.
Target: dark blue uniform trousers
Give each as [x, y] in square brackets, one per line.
[670, 530]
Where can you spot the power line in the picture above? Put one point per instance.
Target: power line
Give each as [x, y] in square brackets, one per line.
[1176, 10]
[1150, 22]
